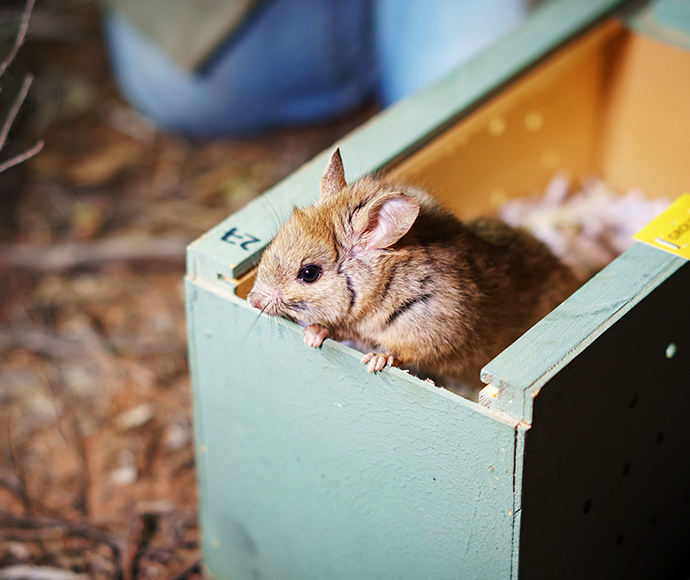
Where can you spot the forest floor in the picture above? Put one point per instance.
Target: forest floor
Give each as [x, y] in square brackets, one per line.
[96, 441]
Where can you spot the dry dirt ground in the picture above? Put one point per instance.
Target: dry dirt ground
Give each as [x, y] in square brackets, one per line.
[96, 440]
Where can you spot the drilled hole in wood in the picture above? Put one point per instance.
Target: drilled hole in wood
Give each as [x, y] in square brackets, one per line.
[660, 437]
[587, 507]
[632, 401]
[626, 468]
[619, 540]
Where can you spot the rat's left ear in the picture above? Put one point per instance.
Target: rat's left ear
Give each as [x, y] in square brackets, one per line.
[333, 179]
[388, 219]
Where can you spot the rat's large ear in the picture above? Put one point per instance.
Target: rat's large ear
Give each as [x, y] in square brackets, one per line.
[333, 179]
[388, 219]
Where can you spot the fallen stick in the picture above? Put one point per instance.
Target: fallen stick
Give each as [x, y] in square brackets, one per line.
[23, 572]
[21, 36]
[79, 254]
[19, 100]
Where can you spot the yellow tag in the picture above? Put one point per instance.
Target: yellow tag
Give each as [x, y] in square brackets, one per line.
[671, 230]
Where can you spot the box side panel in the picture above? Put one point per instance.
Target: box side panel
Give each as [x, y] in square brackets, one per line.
[646, 142]
[310, 467]
[520, 371]
[606, 480]
[546, 122]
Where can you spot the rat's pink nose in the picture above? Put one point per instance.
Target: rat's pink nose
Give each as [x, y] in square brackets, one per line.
[255, 301]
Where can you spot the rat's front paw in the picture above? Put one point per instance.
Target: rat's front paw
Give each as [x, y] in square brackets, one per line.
[314, 334]
[377, 362]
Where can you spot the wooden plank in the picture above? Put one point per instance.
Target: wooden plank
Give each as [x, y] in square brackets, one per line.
[521, 370]
[311, 468]
[396, 132]
[667, 22]
[646, 136]
[607, 460]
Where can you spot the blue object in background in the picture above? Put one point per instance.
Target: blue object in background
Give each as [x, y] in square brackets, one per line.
[302, 61]
[419, 41]
[297, 61]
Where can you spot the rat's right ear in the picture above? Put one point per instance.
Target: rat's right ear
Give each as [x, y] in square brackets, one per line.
[387, 220]
[333, 179]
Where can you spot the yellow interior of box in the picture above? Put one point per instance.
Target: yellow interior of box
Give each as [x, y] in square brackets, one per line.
[613, 104]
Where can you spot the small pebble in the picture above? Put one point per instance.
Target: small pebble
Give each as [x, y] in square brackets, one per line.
[124, 475]
[176, 437]
[135, 417]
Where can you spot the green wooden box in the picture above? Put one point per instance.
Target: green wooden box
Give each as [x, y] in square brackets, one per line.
[575, 462]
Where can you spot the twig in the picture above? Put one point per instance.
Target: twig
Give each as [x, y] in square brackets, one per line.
[16, 467]
[17, 159]
[18, 100]
[21, 95]
[21, 36]
[73, 254]
[56, 382]
[37, 529]
[11, 483]
[187, 572]
[43, 343]
[24, 572]
[132, 544]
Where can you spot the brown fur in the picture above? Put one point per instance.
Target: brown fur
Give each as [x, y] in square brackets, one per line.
[445, 297]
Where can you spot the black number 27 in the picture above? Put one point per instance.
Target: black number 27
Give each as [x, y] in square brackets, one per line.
[235, 238]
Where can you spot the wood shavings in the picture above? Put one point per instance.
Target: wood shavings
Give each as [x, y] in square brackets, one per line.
[586, 229]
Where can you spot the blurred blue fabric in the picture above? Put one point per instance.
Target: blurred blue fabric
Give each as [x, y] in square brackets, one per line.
[300, 61]
[420, 41]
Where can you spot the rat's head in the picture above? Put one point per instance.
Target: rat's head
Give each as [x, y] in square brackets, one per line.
[324, 260]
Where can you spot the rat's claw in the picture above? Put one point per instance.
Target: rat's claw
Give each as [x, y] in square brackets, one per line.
[377, 362]
[314, 334]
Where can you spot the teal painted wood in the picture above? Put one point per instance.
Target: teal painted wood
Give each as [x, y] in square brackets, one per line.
[674, 14]
[397, 131]
[606, 463]
[311, 468]
[666, 20]
[521, 370]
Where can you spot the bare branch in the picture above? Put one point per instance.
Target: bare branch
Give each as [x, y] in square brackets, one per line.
[24, 89]
[75, 254]
[21, 36]
[22, 156]
[21, 95]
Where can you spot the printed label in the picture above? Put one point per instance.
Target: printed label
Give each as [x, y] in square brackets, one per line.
[671, 230]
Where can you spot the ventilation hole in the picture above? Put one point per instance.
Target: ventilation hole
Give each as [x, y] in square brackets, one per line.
[671, 350]
[619, 540]
[587, 506]
[653, 520]
[632, 401]
[626, 468]
[660, 437]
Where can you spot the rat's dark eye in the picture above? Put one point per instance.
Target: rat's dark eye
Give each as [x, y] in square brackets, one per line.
[309, 273]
